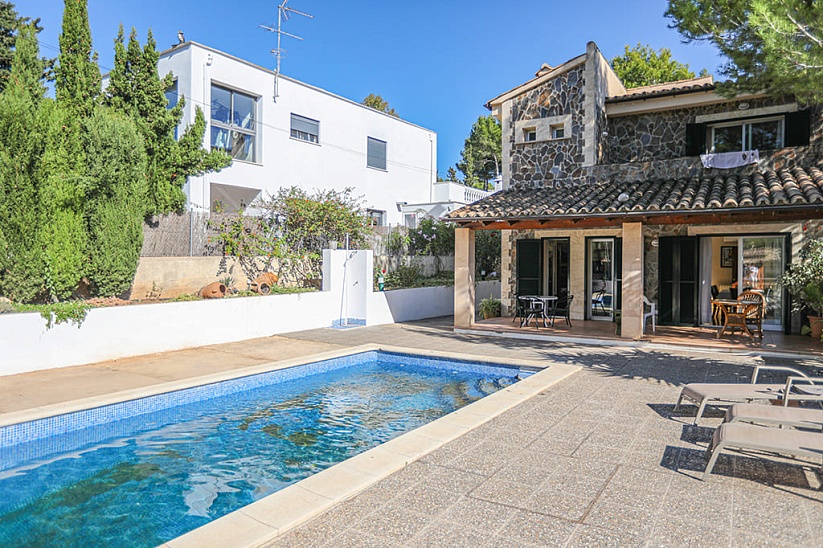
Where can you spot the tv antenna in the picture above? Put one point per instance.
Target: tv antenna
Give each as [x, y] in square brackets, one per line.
[283, 14]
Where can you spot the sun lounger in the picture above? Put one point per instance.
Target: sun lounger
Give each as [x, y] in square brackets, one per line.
[751, 437]
[703, 394]
[773, 415]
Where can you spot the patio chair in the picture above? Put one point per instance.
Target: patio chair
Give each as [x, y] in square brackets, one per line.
[750, 437]
[518, 307]
[650, 314]
[754, 315]
[562, 308]
[773, 415]
[598, 303]
[703, 394]
[532, 308]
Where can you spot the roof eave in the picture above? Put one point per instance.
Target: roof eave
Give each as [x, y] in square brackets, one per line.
[817, 207]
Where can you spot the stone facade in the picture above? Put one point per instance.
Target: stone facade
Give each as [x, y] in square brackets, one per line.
[662, 135]
[553, 161]
[627, 148]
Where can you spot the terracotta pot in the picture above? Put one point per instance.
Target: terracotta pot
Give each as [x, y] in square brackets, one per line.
[214, 290]
[264, 282]
[816, 324]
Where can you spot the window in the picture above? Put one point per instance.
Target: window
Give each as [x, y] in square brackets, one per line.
[376, 217]
[233, 126]
[764, 134]
[376, 153]
[530, 134]
[305, 129]
[557, 131]
[172, 98]
[171, 95]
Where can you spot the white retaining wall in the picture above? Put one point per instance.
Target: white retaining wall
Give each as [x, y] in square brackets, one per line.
[118, 332]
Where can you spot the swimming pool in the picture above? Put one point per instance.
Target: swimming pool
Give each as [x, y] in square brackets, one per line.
[144, 471]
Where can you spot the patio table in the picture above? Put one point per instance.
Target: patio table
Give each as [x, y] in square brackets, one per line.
[734, 315]
[546, 299]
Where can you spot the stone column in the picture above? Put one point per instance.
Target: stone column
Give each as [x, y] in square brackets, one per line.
[632, 301]
[464, 277]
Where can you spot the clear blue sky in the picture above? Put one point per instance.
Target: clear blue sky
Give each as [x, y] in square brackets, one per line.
[435, 62]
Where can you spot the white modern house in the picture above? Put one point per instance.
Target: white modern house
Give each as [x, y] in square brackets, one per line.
[304, 136]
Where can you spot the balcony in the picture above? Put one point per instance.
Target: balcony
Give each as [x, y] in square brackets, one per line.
[447, 191]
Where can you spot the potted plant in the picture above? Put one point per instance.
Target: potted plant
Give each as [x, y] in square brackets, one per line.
[804, 281]
[489, 308]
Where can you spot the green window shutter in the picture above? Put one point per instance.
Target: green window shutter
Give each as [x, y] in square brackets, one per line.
[529, 259]
[798, 127]
[695, 139]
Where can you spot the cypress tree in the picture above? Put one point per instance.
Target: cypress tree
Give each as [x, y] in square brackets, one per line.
[136, 89]
[8, 25]
[115, 200]
[77, 83]
[63, 232]
[21, 150]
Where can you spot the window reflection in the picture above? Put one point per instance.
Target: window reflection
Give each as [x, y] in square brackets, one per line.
[233, 127]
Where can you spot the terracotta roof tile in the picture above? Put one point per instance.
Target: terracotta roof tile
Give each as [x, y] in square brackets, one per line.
[797, 187]
[702, 83]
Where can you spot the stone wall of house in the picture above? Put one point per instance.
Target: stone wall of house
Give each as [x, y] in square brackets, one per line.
[662, 135]
[555, 161]
[627, 148]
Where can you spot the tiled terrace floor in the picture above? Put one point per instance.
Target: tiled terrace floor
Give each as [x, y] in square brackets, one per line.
[598, 460]
[773, 341]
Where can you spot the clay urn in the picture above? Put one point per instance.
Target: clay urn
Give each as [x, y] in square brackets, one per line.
[264, 282]
[214, 290]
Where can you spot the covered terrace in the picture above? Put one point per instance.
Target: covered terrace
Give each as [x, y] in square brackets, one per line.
[655, 226]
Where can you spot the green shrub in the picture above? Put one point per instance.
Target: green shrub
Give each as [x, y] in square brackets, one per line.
[403, 276]
[57, 313]
[486, 251]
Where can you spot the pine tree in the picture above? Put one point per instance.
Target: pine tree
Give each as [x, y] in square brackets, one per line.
[77, 83]
[774, 46]
[135, 88]
[482, 152]
[643, 66]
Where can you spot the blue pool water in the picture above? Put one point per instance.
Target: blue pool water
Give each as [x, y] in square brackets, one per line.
[145, 471]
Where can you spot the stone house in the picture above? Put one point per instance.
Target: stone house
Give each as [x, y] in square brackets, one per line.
[671, 191]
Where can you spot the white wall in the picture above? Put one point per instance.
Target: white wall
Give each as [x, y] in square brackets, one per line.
[337, 162]
[402, 305]
[119, 332]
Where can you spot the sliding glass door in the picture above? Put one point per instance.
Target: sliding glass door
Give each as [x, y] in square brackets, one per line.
[601, 278]
[556, 268]
[761, 261]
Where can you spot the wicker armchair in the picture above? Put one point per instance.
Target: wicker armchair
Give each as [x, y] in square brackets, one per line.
[754, 314]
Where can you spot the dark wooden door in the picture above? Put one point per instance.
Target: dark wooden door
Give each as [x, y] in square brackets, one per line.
[678, 277]
[529, 259]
